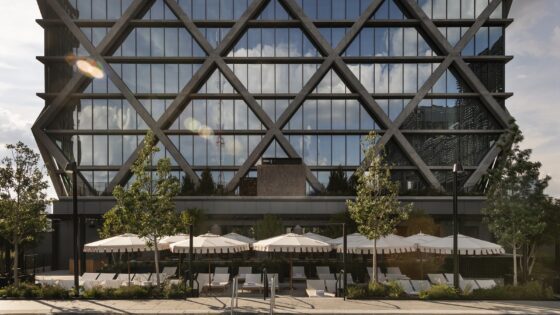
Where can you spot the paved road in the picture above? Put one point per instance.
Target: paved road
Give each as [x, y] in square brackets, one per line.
[284, 305]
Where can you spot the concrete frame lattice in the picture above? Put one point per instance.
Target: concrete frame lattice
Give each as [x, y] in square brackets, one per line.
[215, 59]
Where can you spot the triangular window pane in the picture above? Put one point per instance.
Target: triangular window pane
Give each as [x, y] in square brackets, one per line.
[389, 41]
[450, 83]
[97, 10]
[217, 84]
[160, 42]
[274, 11]
[395, 155]
[274, 150]
[388, 10]
[95, 35]
[392, 107]
[214, 35]
[333, 35]
[274, 108]
[274, 42]
[159, 11]
[446, 179]
[331, 83]
[461, 114]
[211, 116]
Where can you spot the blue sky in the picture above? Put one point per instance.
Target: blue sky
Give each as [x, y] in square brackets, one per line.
[533, 39]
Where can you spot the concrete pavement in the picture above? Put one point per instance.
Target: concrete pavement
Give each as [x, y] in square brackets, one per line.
[284, 305]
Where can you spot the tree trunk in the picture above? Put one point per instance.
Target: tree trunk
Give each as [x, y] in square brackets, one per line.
[16, 262]
[375, 261]
[156, 257]
[514, 264]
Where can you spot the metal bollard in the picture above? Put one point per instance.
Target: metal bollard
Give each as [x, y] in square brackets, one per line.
[234, 295]
[272, 295]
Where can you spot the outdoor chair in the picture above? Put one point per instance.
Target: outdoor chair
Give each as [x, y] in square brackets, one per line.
[298, 273]
[47, 282]
[327, 276]
[90, 284]
[142, 279]
[106, 276]
[65, 284]
[349, 279]
[202, 281]
[407, 287]
[323, 270]
[449, 277]
[486, 284]
[221, 270]
[315, 288]
[124, 277]
[331, 287]
[169, 271]
[219, 281]
[392, 277]
[89, 276]
[252, 282]
[243, 271]
[380, 275]
[394, 270]
[420, 285]
[437, 278]
[467, 286]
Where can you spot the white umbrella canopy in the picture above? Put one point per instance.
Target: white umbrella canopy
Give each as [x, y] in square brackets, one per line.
[390, 244]
[292, 243]
[320, 237]
[421, 238]
[239, 237]
[210, 244]
[173, 239]
[120, 243]
[466, 245]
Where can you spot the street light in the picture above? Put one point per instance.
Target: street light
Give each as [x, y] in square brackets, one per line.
[72, 168]
[457, 168]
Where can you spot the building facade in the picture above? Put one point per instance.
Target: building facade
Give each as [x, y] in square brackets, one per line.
[234, 87]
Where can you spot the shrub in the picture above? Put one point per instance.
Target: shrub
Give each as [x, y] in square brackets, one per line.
[97, 292]
[175, 291]
[34, 291]
[528, 291]
[376, 289]
[440, 292]
[357, 291]
[132, 292]
[394, 289]
[53, 292]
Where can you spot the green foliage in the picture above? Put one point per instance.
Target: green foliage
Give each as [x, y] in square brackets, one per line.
[137, 292]
[33, 291]
[206, 187]
[440, 292]
[146, 208]
[187, 188]
[269, 226]
[517, 209]
[197, 218]
[376, 210]
[529, 291]
[22, 199]
[175, 291]
[375, 290]
[339, 184]
[418, 221]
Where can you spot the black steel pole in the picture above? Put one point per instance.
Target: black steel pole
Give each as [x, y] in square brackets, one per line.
[455, 233]
[191, 284]
[344, 245]
[75, 231]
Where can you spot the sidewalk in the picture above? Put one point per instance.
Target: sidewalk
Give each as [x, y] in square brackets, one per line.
[284, 305]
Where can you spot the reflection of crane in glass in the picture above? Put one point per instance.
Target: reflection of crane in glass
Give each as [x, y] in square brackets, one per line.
[219, 139]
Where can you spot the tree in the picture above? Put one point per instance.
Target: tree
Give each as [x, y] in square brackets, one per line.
[197, 218]
[338, 183]
[418, 221]
[269, 226]
[22, 199]
[516, 206]
[207, 187]
[187, 188]
[146, 208]
[376, 209]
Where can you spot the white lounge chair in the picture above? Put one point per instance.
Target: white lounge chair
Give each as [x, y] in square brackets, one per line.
[394, 270]
[124, 277]
[393, 277]
[298, 273]
[380, 275]
[202, 280]
[467, 286]
[349, 279]
[315, 288]
[170, 271]
[407, 287]
[277, 280]
[219, 281]
[47, 282]
[253, 282]
[243, 271]
[66, 284]
[486, 283]
[89, 276]
[420, 285]
[90, 284]
[331, 287]
[112, 284]
[449, 277]
[221, 270]
[143, 279]
[106, 276]
[437, 278]
[323, 270]
[327, 276]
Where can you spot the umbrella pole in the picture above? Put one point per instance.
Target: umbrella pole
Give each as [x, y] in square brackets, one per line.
[128, 266]
[209, 277]
[421, 265]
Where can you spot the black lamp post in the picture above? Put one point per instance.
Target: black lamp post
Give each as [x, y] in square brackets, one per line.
[457, 168]
[72, 168]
